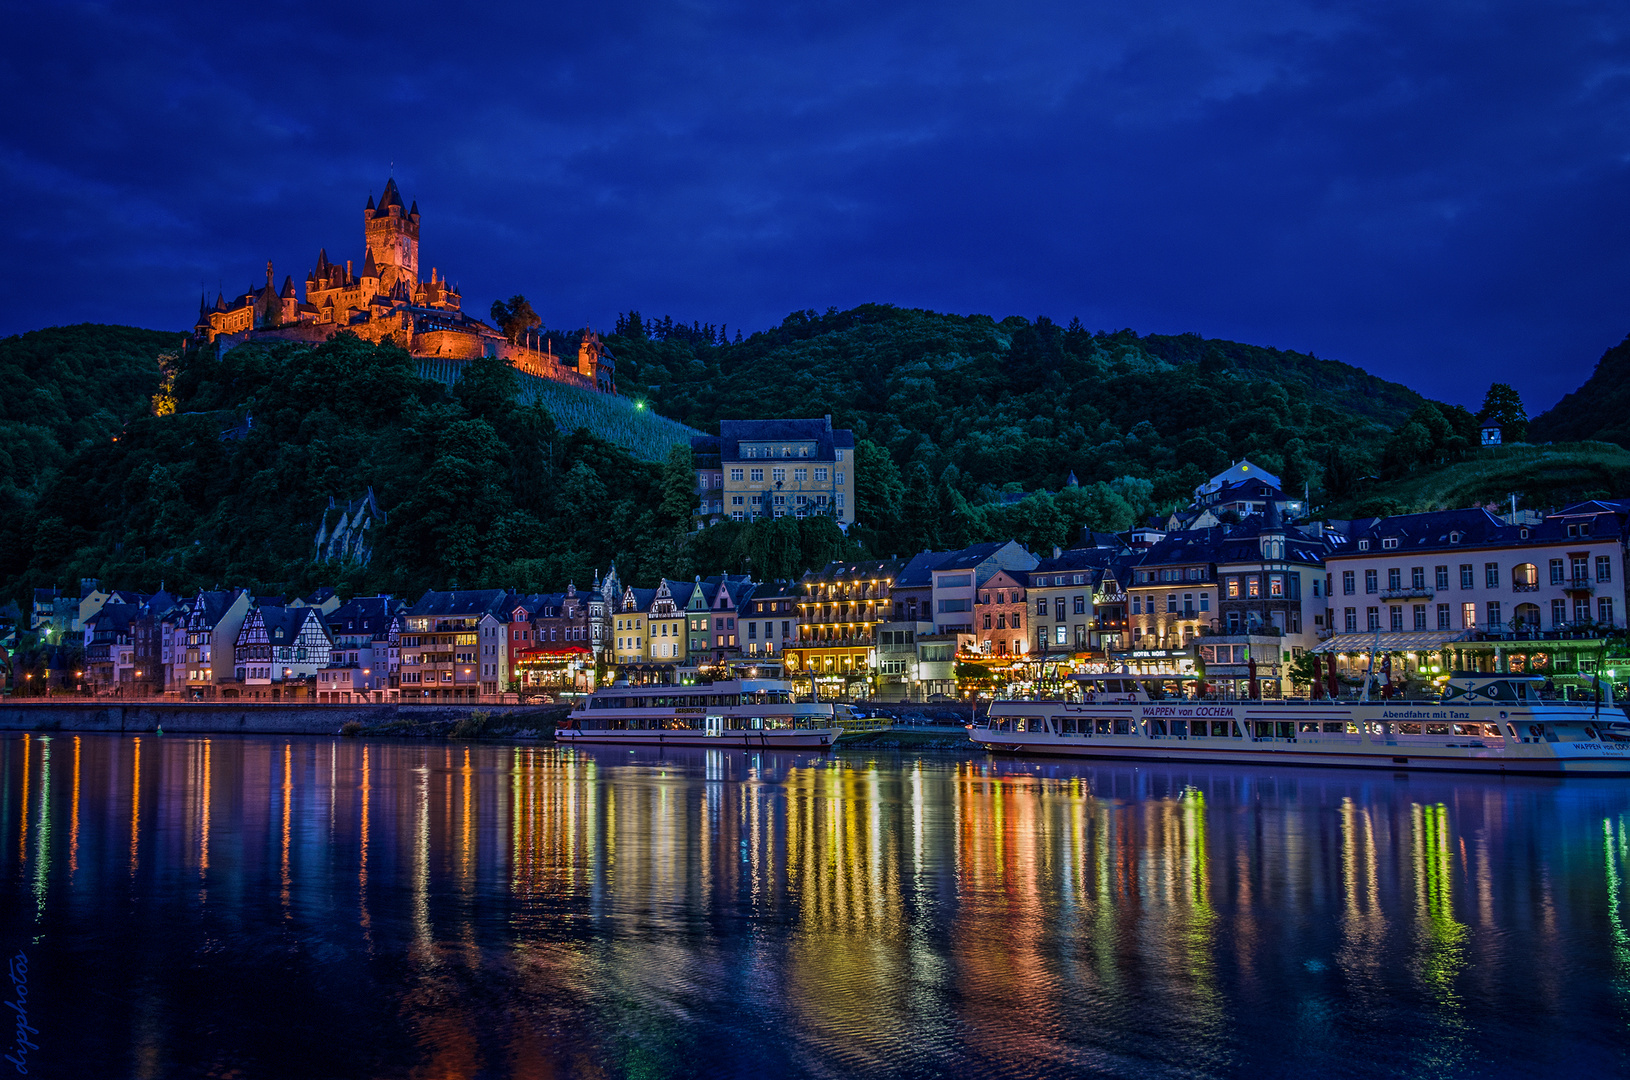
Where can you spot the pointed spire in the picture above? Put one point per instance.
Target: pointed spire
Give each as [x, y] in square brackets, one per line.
[414, 210]
[369, 268]
[220, 301]
[288, 287]
[392, 195]
[203, 302]
[370, 200]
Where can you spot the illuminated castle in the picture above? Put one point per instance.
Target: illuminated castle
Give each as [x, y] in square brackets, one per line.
[385, 298]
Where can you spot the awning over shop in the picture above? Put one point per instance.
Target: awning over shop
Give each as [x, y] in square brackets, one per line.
[1401, 641]
[563, 652]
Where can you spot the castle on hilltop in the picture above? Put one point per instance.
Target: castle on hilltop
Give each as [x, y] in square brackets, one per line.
[386, 298]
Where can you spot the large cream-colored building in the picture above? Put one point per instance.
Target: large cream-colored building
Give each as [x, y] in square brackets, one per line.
[758, 469]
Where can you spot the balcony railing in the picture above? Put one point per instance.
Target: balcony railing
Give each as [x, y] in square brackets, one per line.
[1410, 593]
[1520, 586]
[1579, 584]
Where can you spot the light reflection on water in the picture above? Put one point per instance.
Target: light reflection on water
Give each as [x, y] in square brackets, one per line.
[328, 907]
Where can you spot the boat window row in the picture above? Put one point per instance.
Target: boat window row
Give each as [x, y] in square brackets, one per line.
[696, 723]
[690, 701]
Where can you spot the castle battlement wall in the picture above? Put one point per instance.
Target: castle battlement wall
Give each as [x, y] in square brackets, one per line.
[385, 298]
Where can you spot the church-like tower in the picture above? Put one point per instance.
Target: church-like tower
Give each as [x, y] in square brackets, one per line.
[392, 235]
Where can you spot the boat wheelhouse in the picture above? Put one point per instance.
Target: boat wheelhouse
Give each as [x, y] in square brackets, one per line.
[750, 713]
[1480, 722]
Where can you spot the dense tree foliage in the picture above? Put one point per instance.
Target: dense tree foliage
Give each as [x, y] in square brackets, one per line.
[66, 387]
[953, 412]
[1600, 409]
[231, 488]
[1433, 434]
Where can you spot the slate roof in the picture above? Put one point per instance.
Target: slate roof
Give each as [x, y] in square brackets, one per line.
[1459, 530]
[971, 556]
[211, 606]
[727, 444]
[115, 616]
[918, 571]
[363, 615]
[283, 624]
[460, 602]
[854, 570]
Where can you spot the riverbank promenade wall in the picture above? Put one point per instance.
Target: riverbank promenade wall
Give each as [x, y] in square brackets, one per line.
[230, 718]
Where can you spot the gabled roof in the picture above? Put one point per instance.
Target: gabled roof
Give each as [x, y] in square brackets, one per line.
[475, 602]
[211, 607]
[283, 624]
[160, 604]
[918, 572]
[680, 591]
[970, 557]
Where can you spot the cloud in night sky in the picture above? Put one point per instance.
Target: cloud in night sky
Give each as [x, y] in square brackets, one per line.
[1435, 192]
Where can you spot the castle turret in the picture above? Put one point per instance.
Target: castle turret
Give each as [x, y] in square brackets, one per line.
[392, 235]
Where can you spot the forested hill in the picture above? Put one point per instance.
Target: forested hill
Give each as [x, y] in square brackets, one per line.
[112, 474]
[1600, 409]
[975, 404]
[68, 386]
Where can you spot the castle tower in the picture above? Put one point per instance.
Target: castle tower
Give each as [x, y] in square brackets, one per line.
[595, 362]
[391, 235]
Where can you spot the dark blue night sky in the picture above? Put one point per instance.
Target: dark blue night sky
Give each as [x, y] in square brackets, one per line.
[1436, 192]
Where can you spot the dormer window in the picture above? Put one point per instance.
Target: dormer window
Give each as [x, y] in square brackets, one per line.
[1389, 543]
[1523, 533]
[1363, 545]
[1454, 537]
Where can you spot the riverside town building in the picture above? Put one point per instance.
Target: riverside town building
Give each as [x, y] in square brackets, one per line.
[1205, 600]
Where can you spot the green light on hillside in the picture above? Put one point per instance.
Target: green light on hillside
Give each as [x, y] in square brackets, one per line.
[639, 404]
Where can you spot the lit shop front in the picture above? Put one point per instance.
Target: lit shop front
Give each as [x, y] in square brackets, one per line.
[555, 670]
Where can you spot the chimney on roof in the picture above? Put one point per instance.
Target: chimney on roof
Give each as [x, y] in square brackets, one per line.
[1057, 551]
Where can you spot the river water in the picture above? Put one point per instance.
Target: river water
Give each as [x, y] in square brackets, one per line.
[315, 907]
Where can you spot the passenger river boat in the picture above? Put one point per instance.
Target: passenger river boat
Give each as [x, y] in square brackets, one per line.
[1480, 722]
[751, 714]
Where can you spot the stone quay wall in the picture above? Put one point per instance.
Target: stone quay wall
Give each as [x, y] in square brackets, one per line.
[219, 718]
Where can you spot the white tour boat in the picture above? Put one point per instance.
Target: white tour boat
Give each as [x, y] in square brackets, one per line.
[1481, 722]
[750, 714]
